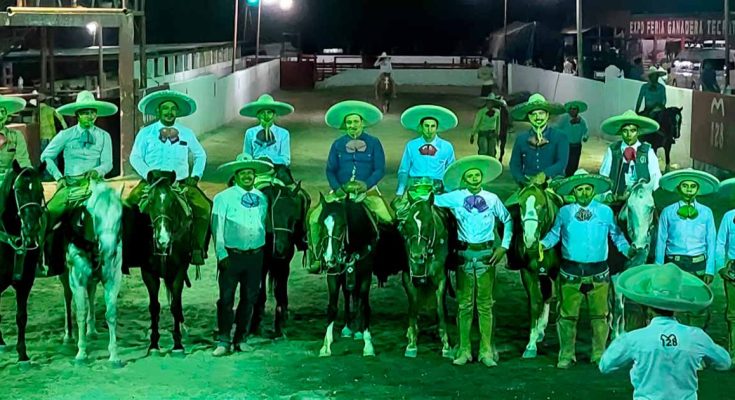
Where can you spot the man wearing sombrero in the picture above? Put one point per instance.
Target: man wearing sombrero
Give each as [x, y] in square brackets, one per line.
[238, 227]
[384, 63]
[12, 143]
[686, 230]
[476, 210]
[628, 161]
[665, 356]
[426, 158]
[166, 145]
[652, 94]
[355, 165]
[725, 260]
[583, 228]
[268, 141]
[87, 151]
[487, 125]
[574, 126]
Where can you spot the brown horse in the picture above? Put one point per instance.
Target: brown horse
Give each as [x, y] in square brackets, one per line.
[385, 91]
[532, 220]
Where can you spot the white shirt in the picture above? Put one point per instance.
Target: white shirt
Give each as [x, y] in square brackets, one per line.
[476, 226]
[385, 65]
[630, 176]
[238, 220]
[150, 153]
[725, 251]
[279, 152]
[83, 152]
[665, 357]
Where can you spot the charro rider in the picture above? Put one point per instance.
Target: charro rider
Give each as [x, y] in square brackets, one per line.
[652, 94]
[13, 145]
[166, 145]
[583, 228]
[425, 158]
[355, 165]
[476, 210]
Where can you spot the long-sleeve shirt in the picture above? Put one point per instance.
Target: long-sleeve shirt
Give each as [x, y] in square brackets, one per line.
[368, 165]
[630, 176]
[151, 153]
[14, 148]
[725, 251]
[279, 151]
[483, 123]
[84, 151]
[652, 95]
[238, 220]
[476, 224]
[575, 133]
[664, 357]
[687, 237]
[414, 164]
[528, 160]
[47, 117]
[385, 65]
[583, 232]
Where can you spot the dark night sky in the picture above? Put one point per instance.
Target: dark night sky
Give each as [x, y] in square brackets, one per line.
[408, 26]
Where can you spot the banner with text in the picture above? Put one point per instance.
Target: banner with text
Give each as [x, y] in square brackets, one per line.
[713, 129]
[701, 27]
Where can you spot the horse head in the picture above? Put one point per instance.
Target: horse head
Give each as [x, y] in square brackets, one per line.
[420, 234]
[284, 213]
[333, 247]
[637, 216]
[23, 208]
[105, 207]
[670, 120]
[166, 213]
[536, 214]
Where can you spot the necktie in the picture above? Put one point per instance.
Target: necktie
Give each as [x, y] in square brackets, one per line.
[249, 200]
[536, 142]
[583, 215]
[86, 139]
[428, 150]
[687, 211]
[266, 137]
[477, 202]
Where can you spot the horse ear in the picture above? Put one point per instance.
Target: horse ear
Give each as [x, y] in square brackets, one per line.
[16, 166]
[42, 167]
[321, 198]
[680, 109]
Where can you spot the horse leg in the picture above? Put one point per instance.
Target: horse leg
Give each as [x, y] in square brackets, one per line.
[281, 273]
[2, 341]
[91, 318]
[364, 303]
[412, 331]
[176, 288]
[617, 319]
[346, 331]
[153, 284]
[112, 290]
[22, 291]
[667, 155]
[79, 268]
[441, 311]
[535, 303]
[333, 283]
[547, 289]
[68, 324]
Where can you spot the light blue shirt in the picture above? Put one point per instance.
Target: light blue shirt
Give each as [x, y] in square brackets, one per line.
[477, 227]
[585, 241]
[664, 357]
[416, 165]
[725, 251]
[150, 153]
[238, 220]
[575, 132]
[687, 237]
[279, 152]
[83, 152]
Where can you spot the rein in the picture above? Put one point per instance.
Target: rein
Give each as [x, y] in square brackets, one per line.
[427, 251]
[18, 242]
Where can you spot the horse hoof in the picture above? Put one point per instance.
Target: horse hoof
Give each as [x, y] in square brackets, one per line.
[411, 353]
[24, 366]
[178, 353]
[116, 364]
[530, 353]
[81, 362]
[92, 335]
[154, 352]
[358, 336]
[346, 332]
[446, 353]
[325, 352]
[368, 353]
[68, 340]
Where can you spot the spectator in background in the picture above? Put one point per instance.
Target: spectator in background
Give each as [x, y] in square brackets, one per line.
[709, 78]
[636, 71]
[486, 74]
[47, 118]
[568, 67]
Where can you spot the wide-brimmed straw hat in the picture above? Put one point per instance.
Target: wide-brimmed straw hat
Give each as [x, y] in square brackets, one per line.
[11, 104]
[86, 101]
[659, 72]
[613, 125]
[446, 119]
[246, 161]
[266, 102]
[335, 116]
[579, 105]
[708, 184]
[489, 166]
[535, 102]
[601, 183]
[494, 99]
[149, 104]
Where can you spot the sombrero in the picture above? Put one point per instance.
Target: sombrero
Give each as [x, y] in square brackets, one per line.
[85, 101]
[580, 105]
[601, 183]
[708, 184]
[12, 104]
[246, 161]
[665, 287]
[335, 116]
[727, 190]
[490, 168]
[658, 71]
[148, 105]
[383, 55]
[266, 102]
[494, 98]
[535, 102]
[411, 118]
[613, 125]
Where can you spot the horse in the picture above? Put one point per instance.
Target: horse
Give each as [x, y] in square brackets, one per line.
[385, 91]
[637, 219]
[284, 232]
[347, 252]
[93, 253]
[22, 222]
[670, 120]
[426, 242]
[532, 219]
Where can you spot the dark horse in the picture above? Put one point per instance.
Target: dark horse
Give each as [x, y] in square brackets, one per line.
[503, 132]
[163, 251]
[670, 129]
[22, 216]
[426, 240]
[347, 251]
[284, 233]
[532, 220]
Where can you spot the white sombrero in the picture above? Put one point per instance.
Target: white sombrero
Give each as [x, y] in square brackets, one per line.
[446, 119]
[246, 161]
[708, 184]
[86, 101]
[665, 287]
[149, 104]
[335, 116]
[266, 102]
[601, 183]
[489, 166]
[12, 105]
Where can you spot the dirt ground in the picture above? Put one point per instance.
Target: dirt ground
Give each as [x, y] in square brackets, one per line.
[290, 369]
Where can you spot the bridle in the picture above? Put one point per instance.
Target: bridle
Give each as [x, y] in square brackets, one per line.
[427, 251]
[274, 228]
[18, 242]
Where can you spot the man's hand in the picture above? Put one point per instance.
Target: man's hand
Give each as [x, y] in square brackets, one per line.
[354, 187]
[191, 181]
[631, 252]
[152, 176]
[498, 255]
[539, 179]
[223, 264]
[61, 182]
[708, 278]
[92, 175]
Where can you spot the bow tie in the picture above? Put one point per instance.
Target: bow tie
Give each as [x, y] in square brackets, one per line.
[477, 202]
[250, 200]
[356, 146]
[428, 150]
[168, 134]
[266, 136]
[687, 211]
[629, 154]
[165, 139]
[583, 215]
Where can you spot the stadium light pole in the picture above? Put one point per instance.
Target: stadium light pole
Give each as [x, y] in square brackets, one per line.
[580, 48]
[234, 39]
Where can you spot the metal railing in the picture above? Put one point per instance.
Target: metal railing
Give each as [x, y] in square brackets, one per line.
[327, 69]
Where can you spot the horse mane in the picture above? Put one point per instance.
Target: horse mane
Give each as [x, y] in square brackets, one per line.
[6, 188]
[102, 192]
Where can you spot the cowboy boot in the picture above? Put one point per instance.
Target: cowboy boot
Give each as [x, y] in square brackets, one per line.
[464, 351]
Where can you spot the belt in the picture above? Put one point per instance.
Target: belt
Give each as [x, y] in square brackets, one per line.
[578, 269]
[475, 246]
[691, 259]
[243, 252]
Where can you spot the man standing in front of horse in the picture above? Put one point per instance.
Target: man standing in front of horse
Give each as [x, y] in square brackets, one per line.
[487, 125]
[686, 231]
[476, 211]
[238, 227]
[355, 165]
[583, 228]
[725, 260]
[426, 158]
[652, 94]
[574, 127]
[268, 141]
[166, 145]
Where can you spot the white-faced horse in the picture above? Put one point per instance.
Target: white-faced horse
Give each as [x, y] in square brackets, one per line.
[94, 254]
